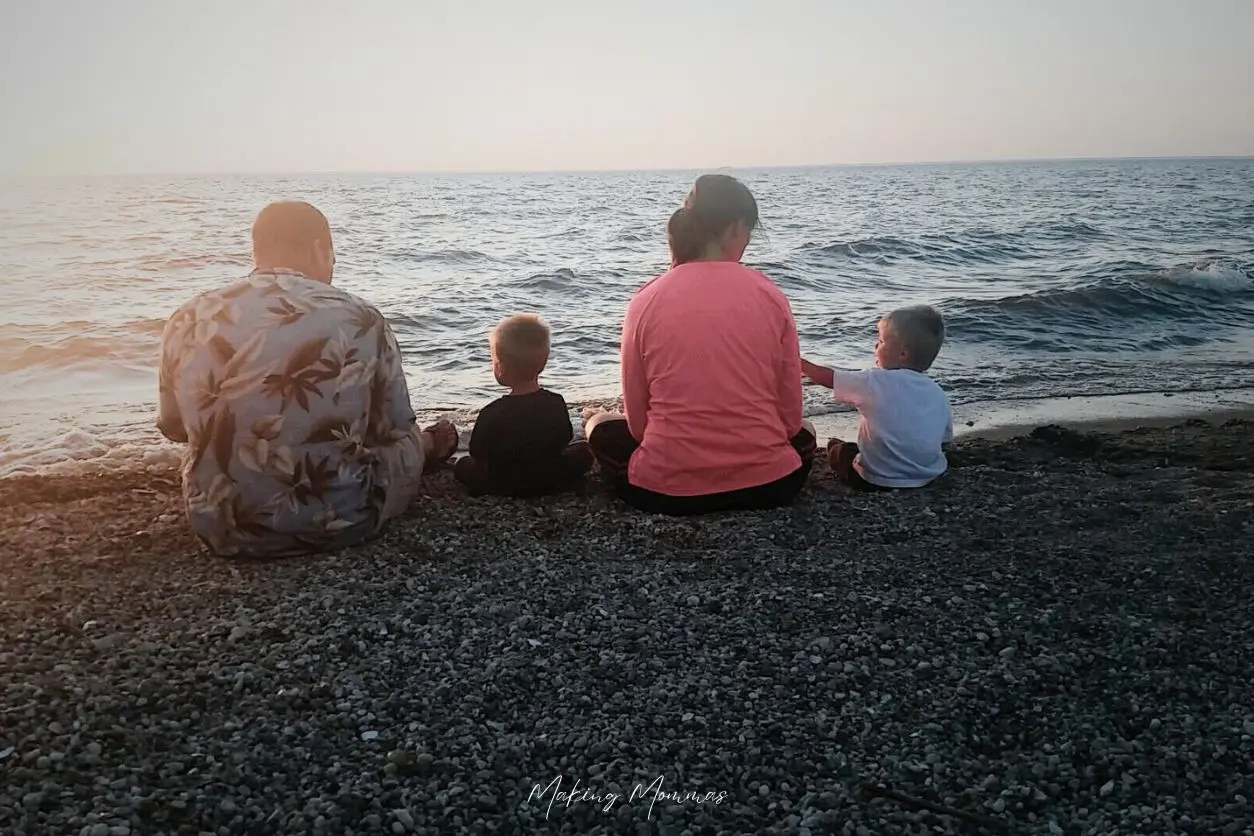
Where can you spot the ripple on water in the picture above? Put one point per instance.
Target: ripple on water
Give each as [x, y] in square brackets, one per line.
[1055, 278]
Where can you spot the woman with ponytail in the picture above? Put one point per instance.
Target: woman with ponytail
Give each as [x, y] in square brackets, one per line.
[711, 374]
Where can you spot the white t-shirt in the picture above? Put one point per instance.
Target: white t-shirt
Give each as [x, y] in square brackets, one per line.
[905, 419]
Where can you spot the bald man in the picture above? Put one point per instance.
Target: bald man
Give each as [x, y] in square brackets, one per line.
[290, 396]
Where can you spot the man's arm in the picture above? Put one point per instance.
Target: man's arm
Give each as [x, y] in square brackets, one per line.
[819, 374]
[169, 417]
[392, 415]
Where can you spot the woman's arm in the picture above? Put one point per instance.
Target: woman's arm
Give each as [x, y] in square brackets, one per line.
[634, 380]
[790, 375]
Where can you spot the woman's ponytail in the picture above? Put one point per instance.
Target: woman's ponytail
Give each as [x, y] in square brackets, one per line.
[716, 202]
[682, 236]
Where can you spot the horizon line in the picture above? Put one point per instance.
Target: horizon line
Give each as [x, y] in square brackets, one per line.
[659, 170]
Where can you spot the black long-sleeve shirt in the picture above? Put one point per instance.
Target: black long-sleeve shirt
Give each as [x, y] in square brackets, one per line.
[519, 440]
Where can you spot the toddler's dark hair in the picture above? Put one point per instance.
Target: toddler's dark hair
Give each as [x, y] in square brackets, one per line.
[921, 329]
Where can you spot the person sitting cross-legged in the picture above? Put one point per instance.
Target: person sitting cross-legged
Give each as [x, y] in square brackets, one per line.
[521, 443]
[711, 375]
[904, 417]
[290, 397]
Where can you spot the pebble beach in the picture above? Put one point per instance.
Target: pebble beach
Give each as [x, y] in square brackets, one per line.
[1055, 638]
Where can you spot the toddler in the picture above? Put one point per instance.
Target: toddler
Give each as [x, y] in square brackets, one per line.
[521, 442]
[904, 417]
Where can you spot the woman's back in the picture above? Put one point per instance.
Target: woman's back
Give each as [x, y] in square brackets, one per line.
[712, 380]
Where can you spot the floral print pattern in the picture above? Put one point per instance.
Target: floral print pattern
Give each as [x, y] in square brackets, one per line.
[292, 401]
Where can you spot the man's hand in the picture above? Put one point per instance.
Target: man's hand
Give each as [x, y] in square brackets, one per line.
[172, 429]
[819, 374]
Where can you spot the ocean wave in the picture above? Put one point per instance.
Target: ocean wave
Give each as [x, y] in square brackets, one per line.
[70, 344]
[1104, 309]
[793, 280]
[561, 280]
[1213, 275]
[452, 256]
[1066, 230]
[973, 247]
[437, 320]
[192, 262]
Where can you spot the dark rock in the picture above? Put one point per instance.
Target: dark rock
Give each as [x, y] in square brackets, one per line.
[1061, 647]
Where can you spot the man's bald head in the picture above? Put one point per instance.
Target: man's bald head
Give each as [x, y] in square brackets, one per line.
[293, 235]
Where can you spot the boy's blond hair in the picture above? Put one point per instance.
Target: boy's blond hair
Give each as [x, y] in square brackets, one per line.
[921, 330]
[520, 344]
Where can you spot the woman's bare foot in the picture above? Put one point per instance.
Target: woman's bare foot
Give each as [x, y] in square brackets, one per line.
[589, 411]
[440, 442]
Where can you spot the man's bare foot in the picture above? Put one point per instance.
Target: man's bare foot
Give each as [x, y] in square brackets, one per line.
[439, 441]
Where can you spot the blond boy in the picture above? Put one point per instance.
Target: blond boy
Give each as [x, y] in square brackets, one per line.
[904, 416]
[521, 442]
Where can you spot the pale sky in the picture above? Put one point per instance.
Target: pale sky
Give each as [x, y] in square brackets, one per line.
[235, 86]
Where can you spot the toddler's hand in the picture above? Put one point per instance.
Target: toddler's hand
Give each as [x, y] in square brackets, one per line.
[819, 375]
[589, 411]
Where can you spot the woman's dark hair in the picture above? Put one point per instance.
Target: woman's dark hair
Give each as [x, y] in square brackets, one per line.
[715, 203]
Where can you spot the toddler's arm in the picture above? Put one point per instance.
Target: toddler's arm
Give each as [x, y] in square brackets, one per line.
[483, 435]
[563, 431]
[819, 374]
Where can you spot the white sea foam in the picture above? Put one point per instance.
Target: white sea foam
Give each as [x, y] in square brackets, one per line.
[80, 452]
[1211, 275]
[137, 446]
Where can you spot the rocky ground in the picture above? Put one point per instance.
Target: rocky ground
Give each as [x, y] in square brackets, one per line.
[1054, 639]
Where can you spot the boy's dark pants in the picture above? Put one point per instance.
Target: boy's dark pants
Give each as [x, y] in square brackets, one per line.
[565, 473]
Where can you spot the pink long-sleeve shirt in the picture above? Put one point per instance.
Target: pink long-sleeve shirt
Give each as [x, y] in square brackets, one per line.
[711, 374]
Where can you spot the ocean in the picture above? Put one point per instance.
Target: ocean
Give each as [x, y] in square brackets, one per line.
[1057, 279]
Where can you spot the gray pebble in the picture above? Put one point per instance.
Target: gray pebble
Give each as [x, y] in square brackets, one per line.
[425, 635]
